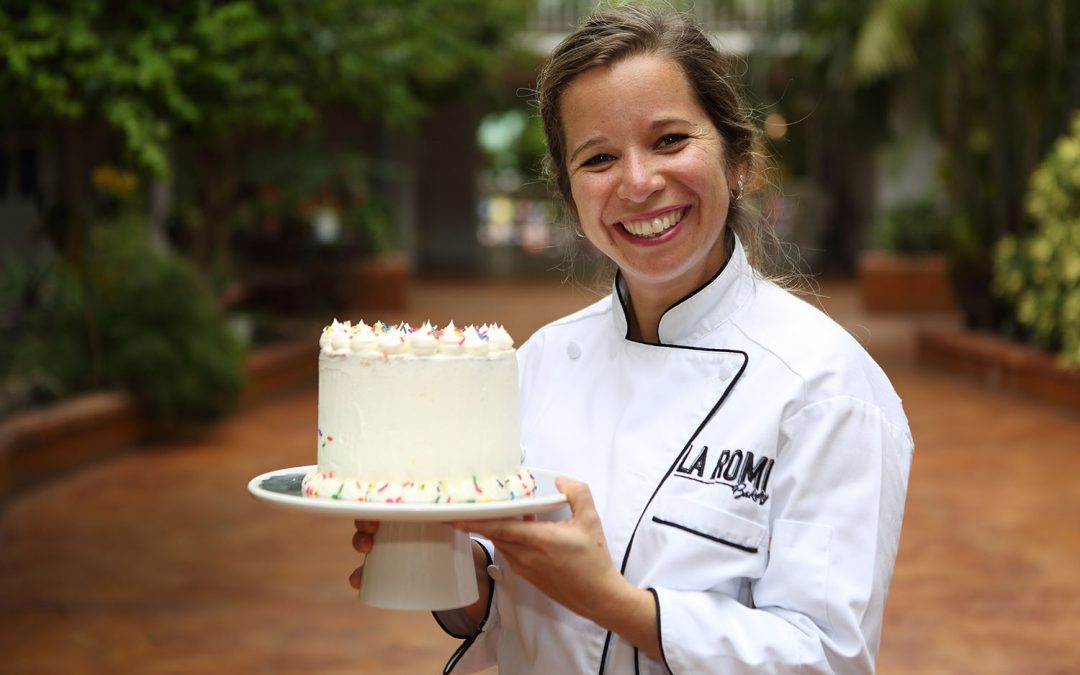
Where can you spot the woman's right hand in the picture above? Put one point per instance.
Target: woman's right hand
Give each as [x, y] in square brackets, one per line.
[362, 541]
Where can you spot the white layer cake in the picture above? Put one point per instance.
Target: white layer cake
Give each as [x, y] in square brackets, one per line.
[426, 415]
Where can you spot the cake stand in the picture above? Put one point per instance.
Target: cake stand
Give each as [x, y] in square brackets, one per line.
[418, 561]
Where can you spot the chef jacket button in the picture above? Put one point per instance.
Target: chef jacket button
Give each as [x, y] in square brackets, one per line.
[573, 350]
[494, 572]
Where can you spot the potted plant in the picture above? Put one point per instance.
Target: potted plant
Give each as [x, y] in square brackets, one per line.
[326, 227]
[1037, 353]
[906, 270]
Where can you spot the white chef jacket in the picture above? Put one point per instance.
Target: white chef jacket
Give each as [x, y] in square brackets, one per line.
[750, 471]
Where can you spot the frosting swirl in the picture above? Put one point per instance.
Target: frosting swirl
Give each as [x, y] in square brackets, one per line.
[344, 337]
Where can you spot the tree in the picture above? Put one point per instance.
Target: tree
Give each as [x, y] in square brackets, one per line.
[209, 72]
[1000, 79]
[155, 71]
[840, 120]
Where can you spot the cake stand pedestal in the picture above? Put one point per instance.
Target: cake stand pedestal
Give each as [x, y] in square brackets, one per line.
[418, 561]
[421, 566]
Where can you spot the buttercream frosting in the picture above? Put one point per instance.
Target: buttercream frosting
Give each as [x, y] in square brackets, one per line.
[424, 415]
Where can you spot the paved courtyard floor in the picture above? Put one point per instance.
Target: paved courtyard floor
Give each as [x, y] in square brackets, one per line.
[160, 562]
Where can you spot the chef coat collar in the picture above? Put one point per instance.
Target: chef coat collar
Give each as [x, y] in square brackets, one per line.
[703, 309]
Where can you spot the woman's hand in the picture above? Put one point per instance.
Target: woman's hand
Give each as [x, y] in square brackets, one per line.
[362, 541]
[569, 562]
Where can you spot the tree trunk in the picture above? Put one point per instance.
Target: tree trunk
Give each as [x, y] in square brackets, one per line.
[161, 203]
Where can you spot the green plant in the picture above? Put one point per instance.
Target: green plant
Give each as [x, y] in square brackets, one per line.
[129, 316]
[996, 80]
[288, 186]
[157, 72]
[43, 354]
[160, 329]
[1040, 274]
[918, 227]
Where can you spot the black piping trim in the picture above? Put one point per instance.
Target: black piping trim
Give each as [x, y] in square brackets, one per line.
[446, 629]
[464, 646]
[659, 637]
[678, 458]
[659, 629]
[622, 304]
[684, 528]
[730, 243]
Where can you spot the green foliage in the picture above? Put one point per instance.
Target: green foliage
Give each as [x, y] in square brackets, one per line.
[161, 330]
[158, 71]
[44, 353]
[999, 78]
[918, 227]
[291, 184]
[1040, 274]
[130, 316]
[513, 140]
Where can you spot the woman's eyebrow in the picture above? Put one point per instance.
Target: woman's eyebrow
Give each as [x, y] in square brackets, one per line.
[669, 121]
[595, 140]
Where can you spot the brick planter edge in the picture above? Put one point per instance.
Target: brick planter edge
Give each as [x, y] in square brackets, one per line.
[42, 443]
[1001, 365]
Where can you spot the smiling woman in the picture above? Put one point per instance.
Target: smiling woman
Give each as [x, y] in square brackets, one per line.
[743, 460]
[648, 183]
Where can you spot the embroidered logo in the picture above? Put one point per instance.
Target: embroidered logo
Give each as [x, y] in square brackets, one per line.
[740, 470]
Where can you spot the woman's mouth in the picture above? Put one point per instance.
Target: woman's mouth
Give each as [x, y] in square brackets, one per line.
[651, 228]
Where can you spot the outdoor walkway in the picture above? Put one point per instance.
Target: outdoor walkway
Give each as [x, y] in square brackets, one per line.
[160, 562]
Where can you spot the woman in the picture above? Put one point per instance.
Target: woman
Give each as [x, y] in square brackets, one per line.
[744, 462]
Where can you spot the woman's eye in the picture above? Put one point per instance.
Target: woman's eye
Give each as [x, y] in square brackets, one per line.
[669, 140]
[597, 160]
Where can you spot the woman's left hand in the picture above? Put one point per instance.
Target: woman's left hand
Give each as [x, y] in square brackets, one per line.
[566, 560]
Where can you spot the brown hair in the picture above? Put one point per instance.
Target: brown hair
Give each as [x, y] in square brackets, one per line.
[615, 34]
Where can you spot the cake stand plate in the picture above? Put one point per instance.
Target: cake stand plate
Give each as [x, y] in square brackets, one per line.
[282, 488]
[418, 561]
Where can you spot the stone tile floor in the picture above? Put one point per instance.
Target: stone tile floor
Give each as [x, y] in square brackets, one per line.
[160, 562]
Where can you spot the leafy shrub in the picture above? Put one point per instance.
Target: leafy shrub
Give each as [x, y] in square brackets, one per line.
[918, 227]
[43, 353]
[1040, 274]
[130, 316]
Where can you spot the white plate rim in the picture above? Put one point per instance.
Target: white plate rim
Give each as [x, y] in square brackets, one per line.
[549, 501]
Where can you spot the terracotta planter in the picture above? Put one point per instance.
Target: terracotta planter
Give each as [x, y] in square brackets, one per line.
[379, 283]
[1001, 365]
[905, 283]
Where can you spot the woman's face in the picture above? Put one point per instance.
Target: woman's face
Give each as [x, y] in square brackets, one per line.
[647, 174]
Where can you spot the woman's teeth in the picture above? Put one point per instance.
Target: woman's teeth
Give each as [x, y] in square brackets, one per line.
[654, 226]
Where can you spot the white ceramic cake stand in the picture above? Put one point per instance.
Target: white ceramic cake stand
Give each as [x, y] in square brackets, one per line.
[418, 562]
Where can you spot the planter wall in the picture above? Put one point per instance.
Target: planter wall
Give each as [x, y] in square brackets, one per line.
[359, 283]
[381, 283]
[65, 436]
[904, 283]
[38, 444]
[1002, 365]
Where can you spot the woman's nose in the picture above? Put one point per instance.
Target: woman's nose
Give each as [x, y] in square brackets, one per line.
[639, 179]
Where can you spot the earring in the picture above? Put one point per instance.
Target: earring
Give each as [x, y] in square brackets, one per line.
[736, 196]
